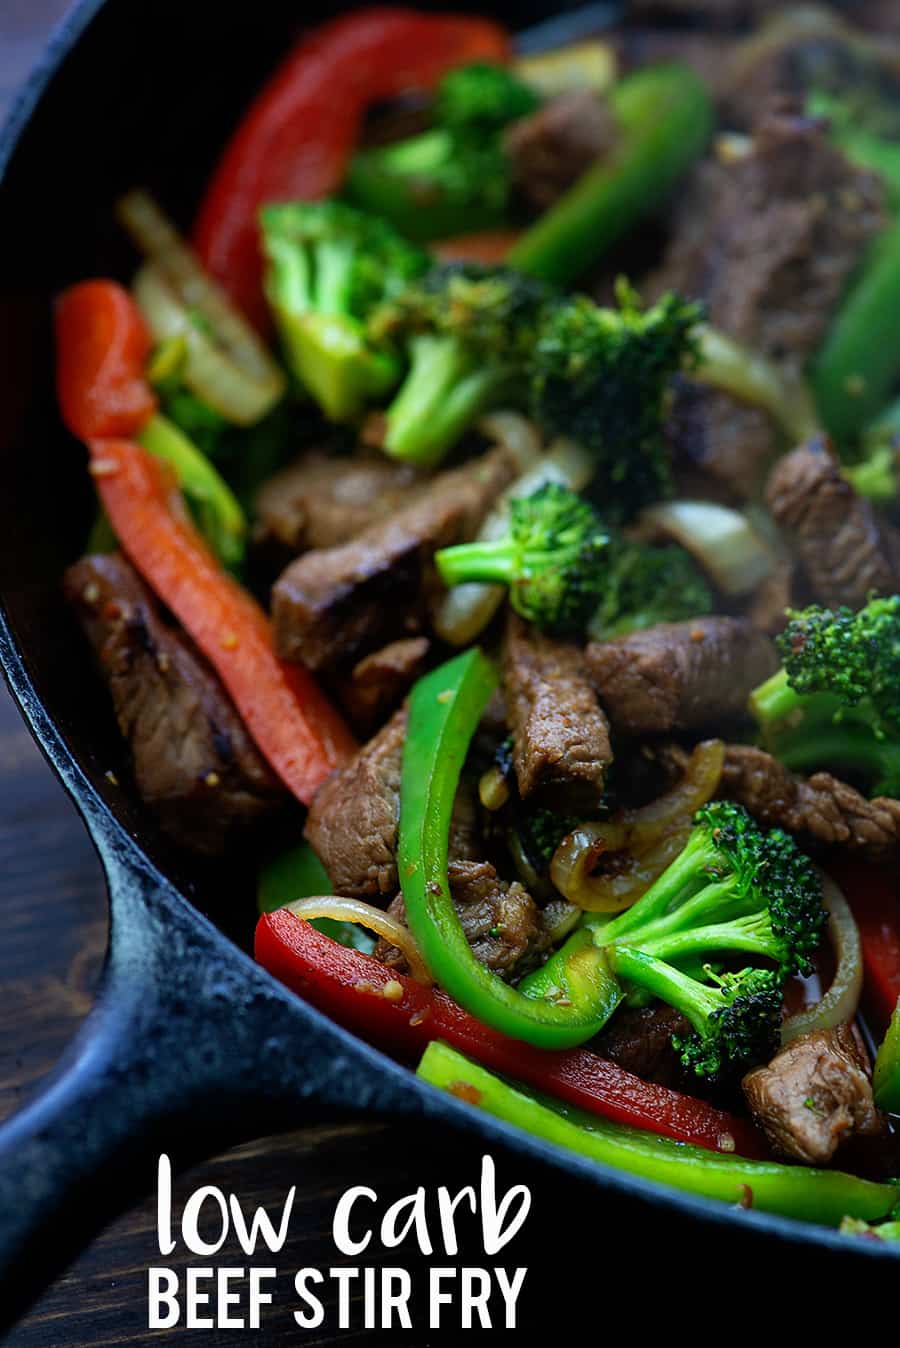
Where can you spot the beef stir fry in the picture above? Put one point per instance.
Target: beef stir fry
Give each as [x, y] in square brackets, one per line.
[498, 497]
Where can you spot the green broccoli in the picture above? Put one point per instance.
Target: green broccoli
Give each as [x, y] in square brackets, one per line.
[467, 332]
[734, 889]
[601, 376]
[648, 585]
[328, 267]
[875, 471]
[552, 559]
[836, 697]
[454, 177]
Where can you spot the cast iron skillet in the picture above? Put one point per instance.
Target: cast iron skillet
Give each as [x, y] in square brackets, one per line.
[191, 1047]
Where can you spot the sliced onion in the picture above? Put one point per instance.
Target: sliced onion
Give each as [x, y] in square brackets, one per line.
[354, 910]
[639, 844]
[722, 540]
[467, 609]
[839, 1005]
[749, 377]
[226, 364]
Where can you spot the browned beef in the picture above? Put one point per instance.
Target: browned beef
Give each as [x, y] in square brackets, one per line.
[769, 239]
[704, 51]
[845, 549]
[820, 809]
[194, 762]
[502, 923]
[334, 605]
[352, 822]
[640, 1040]
[380, 681]
[720, 447]
[814, 1095]
[560, 734]
[680, 676]
[322, 500]
[773, 597]
[551, 149]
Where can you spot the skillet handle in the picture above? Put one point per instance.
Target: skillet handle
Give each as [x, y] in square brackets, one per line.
[190, 1048]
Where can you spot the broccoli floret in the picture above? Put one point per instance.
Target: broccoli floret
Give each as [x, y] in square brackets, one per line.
[483, 97]
[542, 832]
[645, 586]
[467, 331]
[601, 376]
[735, 888]
[836, 697]
[328, 267]
[875, 475]
[552, 559]
[455, 177]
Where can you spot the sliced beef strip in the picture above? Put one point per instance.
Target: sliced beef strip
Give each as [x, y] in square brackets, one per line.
[502, 923]
[845, 549]
[820, 809]
[560, 733]
[352, 821]
[720, 447]
[769, 239]
[814, 1095]
[640, 1040]
[194, 762]
[322, 500]
[550, 150]
[772, 598]
[381, 680]
[334, 605]
[680, 676]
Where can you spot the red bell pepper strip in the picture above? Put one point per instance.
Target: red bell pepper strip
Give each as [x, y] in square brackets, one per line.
[403, 1016]
[102, 346]
[297, 136]
[873, 894]
[294, 726]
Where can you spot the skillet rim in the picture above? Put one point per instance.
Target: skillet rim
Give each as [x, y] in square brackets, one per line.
[109, 836]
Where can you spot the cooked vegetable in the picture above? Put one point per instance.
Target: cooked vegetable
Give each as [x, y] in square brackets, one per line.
[644, 586]
[102, 346]
[226, 364]
[444, 710]
[666, 118]
[840, 1003]
[552, 559]
[825, 1196]
[855, 1226]
[295, 140]
[638, 843]
[875, 903]
[328, 266]
[403, 1016]
[291, 721]
[298, 873]
[580, 65]
[723, 541]
[724, 364]
[353, 911]
[865, 126]
[601, 376]
[467, 332]
[836, 698]
[218, 514]
[858, 365]
[887, 1067]
[734, 888]
[455, 177]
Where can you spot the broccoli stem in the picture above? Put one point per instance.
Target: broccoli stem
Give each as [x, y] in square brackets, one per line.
[694, 1000]
[775, 700]
[859, 362]
[443, 393]
[666, 119]
[752, 935]
[680, 882]
[495, 560]
[846, 743]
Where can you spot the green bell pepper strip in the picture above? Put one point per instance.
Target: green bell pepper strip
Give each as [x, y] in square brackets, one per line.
[887, 1068]
[219, 515]
[297, 873]
[823, 1196]
[444, 710]
[859, 362]
[666, 118]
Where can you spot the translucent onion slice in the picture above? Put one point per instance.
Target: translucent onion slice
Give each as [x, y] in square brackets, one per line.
[841, 1001]
[750, 378]
[722, 540]
[635, 846]
[353, 910]
[467, 609]
[226, 363]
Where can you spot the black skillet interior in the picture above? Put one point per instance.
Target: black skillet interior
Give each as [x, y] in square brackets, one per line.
[147, 95]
